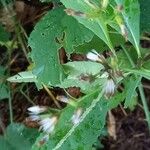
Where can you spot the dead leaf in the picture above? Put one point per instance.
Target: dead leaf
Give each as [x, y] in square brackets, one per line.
[111, 125]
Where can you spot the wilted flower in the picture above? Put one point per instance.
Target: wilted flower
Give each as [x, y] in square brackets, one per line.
[77, 115]
[37, 109]
[109, 88]
[48, 124]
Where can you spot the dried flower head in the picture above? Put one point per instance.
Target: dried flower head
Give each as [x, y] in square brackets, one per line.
[109, 88]
[48, 124]
[37, 109]
[76, 116]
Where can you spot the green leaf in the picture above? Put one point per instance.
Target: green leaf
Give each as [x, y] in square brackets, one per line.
[4, 36]
[4, 92]
[144, 16]
[82, 135]
[18, 137]
[97, 44]
[123, 61]
[131, 15]
[54, 25]
[25, 76]
[85, 86]
[115, 100]
[4, 144]
[79, 70]
[131, 84]
[94, 20]
[75, 34]
[141, 72]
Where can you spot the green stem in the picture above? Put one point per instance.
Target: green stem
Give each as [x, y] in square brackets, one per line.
[10, 107]
[18, 31]
[140, 88]
[142, 95]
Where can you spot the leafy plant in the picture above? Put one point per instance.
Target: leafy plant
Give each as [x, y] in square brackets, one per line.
[80, 27]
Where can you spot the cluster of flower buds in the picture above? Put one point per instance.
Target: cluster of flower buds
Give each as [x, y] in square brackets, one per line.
[47, 122]
[109, 86]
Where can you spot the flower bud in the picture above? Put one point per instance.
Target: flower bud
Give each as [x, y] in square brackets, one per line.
[124, 31]
[37, 109]
[109, 88]
[94, 56]
[77, 115]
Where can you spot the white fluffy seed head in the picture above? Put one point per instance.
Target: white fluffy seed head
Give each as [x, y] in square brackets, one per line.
[37, 109]
[48, 124]
[109, 88]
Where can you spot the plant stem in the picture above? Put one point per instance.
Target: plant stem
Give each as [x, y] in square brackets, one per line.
[142, 95]
[145, 38]
[10, 107]
[28, 98]
[51, 95]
